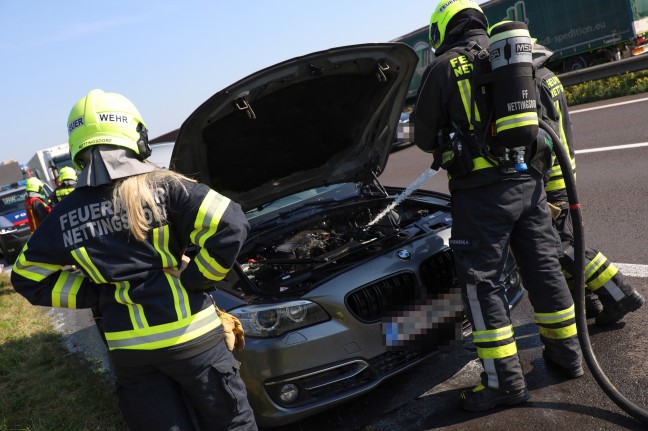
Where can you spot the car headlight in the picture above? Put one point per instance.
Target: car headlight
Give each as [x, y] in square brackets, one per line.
[273, 320]
[6, 230]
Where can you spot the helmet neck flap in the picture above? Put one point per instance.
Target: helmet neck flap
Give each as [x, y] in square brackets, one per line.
[104, 164]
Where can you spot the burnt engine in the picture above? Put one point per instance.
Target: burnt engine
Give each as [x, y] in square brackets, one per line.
[304, 253]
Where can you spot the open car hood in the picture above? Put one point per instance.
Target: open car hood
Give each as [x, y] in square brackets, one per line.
[320, 119]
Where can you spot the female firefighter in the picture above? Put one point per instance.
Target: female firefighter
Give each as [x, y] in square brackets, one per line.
[126, 226]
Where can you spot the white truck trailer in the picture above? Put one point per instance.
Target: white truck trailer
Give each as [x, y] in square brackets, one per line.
[46, 163]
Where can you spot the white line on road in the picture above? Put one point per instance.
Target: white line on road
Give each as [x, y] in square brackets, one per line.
[611, 105]
[633, 270]
[616, 147]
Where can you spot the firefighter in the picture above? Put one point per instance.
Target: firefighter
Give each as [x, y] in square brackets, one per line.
[67, 180]
[127, 226]
[36, 207]
[494, 210]
[609, 296]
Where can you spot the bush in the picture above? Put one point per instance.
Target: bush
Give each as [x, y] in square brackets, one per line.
[615, 86]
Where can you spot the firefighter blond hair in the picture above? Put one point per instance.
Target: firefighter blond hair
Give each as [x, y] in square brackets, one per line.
[133, 195]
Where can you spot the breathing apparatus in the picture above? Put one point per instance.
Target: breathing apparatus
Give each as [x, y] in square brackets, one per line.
[509, 88]
[579, 282]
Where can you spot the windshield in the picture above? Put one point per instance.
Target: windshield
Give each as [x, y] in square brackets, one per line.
[12, 202]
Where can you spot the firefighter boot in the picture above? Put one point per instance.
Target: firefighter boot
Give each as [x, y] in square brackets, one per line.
[614, 311]
[481, 398]
[571, 368]
[593, 306]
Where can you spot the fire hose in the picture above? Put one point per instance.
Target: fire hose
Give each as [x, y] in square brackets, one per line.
[579, 281]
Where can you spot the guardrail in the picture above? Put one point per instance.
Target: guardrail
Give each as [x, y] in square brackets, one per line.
[606, 70]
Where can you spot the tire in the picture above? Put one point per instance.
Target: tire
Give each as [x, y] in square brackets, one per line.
[575, 63]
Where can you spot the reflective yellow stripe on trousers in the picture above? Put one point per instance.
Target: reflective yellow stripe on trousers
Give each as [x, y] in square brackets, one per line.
[495, 335]
[544, 320]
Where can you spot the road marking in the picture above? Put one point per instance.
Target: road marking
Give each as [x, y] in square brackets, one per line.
[611, 105]
[616, 147]
[633, 270]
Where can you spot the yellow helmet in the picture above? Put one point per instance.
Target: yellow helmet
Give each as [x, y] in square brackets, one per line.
[67, 173]
[444, 12]
[34, 185]
[102, 118]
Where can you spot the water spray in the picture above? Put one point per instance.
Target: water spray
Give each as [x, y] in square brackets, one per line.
[426, 175]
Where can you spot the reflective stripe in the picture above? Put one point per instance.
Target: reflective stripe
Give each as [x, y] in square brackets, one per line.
[555, 317]
[558, 333]
[493, 334]
[555, 185]
[563, 136]
[166, 335]
[498, 352]
[208, 266]
[34, 271]
[135, 311]
[180, 298]
[556, 180]
[517, 120]
[65, 290]
[604, 276]
[613, 289]
[209, 215]
[465, 91]
[161, 244]
[481, 163]
[81, 256]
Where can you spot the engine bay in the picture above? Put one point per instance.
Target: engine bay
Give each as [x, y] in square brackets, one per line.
[304, 252]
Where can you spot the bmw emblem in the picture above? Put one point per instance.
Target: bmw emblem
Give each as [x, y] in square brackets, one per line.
[404, 254]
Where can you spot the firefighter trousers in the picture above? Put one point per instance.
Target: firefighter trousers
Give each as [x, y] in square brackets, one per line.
[602, 277]
[200, 393]
[488, 223]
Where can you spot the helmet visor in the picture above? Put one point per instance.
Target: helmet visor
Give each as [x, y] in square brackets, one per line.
[434, 35]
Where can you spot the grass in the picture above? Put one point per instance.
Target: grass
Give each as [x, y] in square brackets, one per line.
[42, 386]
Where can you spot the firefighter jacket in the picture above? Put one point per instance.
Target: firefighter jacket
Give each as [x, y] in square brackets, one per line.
[37, 210]
[62, 190]
[443, 105]
[144, 309]
[553, 109]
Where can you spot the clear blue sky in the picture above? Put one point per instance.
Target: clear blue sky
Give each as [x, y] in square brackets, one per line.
[166, 56]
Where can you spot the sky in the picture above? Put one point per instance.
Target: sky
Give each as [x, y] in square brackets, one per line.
[166, 56]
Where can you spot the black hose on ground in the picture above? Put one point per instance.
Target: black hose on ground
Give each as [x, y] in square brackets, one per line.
[579, 280]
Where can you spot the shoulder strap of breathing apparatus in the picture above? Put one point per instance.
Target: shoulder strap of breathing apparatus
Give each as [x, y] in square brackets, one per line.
[504, 93]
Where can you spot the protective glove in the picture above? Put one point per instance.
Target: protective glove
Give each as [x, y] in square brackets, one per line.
[234, 334]
[554, 210]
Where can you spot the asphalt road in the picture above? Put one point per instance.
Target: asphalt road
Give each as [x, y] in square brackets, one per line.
[612, 186]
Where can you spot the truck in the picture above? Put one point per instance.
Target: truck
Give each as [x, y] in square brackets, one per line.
[46, 163]
[581, 33]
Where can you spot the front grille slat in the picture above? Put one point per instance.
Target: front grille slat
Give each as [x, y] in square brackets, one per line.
[371, 303]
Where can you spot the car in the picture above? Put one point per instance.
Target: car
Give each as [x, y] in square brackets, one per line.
[14, 225]
[404, 130]
[343, 282]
